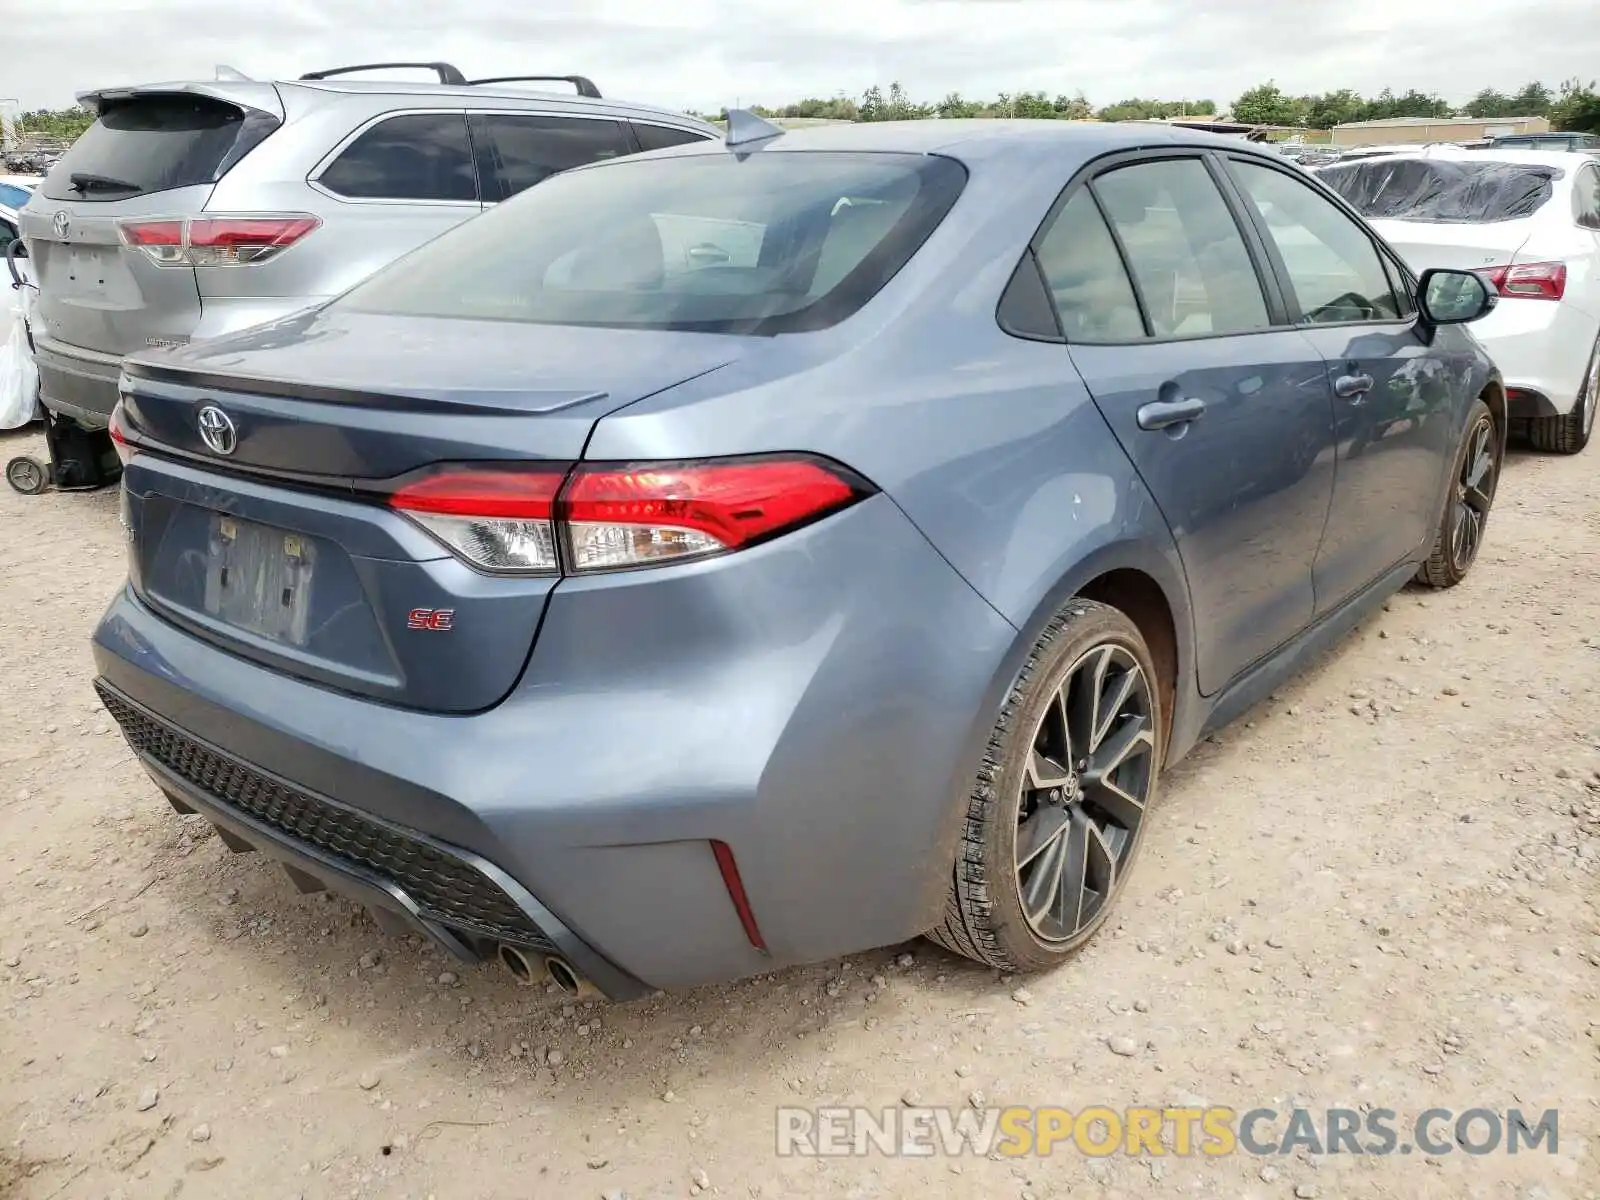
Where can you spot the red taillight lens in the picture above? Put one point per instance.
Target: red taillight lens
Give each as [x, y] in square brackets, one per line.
[215, 241]
[630, 516]
[614, 516]
[1530, 281]
[117, 427]
[497, 518]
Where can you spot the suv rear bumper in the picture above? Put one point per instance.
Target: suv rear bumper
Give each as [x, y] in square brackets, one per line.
[77, 383]
[815, 704]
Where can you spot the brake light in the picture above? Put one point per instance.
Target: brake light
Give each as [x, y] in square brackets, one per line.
[1530, 281]
[117, 427]
[215, 241]
[499, 519]
[636, 515]
[602, 517]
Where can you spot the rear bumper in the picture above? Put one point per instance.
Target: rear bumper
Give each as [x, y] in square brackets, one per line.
[817, 704]
[1542, 349]
[77, 383]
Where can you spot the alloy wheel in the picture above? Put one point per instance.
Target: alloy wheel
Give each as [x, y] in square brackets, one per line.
[1089, 776]
[1474, 494]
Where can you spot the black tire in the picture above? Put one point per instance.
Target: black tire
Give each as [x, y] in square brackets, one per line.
[27, 475]
[1473, 481]
[1570, 433]
[985, 917]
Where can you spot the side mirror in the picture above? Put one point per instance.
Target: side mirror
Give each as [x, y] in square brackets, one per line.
[1447, 297]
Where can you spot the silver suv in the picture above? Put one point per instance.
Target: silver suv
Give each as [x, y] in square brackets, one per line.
[189, 210]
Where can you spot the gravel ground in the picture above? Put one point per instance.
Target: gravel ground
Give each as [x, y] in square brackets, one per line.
[1379, 889]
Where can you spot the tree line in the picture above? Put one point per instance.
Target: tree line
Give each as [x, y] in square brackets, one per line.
[1573, 106]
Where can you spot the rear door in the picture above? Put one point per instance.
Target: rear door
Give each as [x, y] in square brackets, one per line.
[150, 154]
[516, 150]
[1225, 416]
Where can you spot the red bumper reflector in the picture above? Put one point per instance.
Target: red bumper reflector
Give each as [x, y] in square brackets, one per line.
[735, 886]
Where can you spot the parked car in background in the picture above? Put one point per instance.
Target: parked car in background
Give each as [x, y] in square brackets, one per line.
[1579, 142]
[189, 210]
[15, 191]
[1530, 222]
[744, 555]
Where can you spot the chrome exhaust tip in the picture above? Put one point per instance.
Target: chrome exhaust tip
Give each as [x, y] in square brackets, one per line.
[563, 976]
[518, 963]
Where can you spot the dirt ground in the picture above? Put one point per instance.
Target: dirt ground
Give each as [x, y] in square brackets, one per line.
[1380, 889]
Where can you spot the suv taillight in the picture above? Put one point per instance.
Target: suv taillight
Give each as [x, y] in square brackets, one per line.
[606, 517]
[215, 241]
[1529, 281]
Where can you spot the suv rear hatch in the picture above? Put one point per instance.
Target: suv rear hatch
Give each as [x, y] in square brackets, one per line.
[283, 550]
[153, 152]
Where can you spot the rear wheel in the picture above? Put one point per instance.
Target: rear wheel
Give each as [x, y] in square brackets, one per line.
[1570, 433]
[1466, 516]
[1056, 816]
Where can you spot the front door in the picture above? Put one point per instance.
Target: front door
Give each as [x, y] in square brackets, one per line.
[1394, 416]
[1225, 416]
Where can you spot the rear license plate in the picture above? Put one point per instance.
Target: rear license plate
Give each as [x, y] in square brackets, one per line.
[259, 579]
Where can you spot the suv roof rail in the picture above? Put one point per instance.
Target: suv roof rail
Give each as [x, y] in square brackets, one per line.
[447, 73]
[583, 83]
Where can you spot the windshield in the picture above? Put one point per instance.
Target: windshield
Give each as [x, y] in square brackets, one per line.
[1443, 190]
[774, 242]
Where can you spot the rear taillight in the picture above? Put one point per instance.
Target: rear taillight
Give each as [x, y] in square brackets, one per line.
[1529, 281]
[117, 427]
[215, 241]
[604, 517]
[498, 519]
[632, 516]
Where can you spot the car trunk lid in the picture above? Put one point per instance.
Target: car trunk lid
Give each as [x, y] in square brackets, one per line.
[282, 551]
[1465, 247]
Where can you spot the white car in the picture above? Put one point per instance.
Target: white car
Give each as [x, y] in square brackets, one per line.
[15, 191]
[1529, 222]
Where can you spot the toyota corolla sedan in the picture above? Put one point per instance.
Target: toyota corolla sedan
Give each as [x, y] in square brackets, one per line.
[751, 553]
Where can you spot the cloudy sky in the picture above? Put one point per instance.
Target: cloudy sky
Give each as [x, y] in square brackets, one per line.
[704, 53]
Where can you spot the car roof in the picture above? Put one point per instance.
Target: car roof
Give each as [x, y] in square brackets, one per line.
[980, 139]
[1566, 160]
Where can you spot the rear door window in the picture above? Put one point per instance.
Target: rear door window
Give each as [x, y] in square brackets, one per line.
[155, 143]
[1586, 197]
[1084, 274]
[417, 156]
[1333, 266]
[659, 137]
[518, 150]
[1184, 249]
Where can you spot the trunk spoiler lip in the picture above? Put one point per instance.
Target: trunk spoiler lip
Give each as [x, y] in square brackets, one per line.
[262, 97]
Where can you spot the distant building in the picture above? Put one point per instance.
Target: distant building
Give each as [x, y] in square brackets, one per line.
[1410, 130]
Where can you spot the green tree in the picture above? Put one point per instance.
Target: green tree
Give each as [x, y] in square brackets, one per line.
[1333, 108]
[954, 108]
[65, 123]
[1489, 103]
[1073, 108]
[1534, 100]
[1577, 108]
[1265, 104]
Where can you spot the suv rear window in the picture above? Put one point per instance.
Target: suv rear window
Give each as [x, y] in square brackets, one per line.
[776, 243]
[1441, 190]
[156, 143]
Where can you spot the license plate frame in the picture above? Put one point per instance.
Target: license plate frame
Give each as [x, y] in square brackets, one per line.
[259, 579]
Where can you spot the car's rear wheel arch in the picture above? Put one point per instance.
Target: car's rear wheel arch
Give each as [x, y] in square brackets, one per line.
[1140, 598]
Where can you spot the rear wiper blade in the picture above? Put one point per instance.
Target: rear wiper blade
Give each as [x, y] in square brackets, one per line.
[82, 182]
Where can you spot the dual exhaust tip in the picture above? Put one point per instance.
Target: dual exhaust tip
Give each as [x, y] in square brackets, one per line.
[528, 969]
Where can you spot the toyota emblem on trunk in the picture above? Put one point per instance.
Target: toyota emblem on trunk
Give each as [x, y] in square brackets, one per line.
[216, 428]
[60, 222]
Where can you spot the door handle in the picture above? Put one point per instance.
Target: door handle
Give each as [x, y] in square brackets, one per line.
[1348, 387]
[1162, 413]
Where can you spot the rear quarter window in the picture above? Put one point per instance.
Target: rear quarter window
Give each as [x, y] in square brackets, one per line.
[1443, 191]
[154, 144]
[659, 137]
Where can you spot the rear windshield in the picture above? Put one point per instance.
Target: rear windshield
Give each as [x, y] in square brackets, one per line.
[775, 243]
[1445, 191]
[153, 144]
